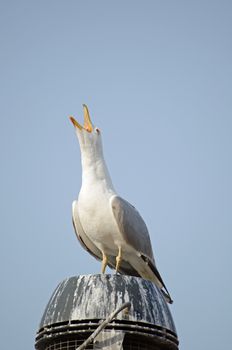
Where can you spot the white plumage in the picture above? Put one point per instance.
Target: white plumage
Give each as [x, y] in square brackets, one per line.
[107, 226]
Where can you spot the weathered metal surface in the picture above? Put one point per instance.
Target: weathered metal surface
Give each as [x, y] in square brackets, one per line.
[90, 297]
[109, 340]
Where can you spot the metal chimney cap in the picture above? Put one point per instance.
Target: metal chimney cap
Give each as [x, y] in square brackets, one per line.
[79, 305]
[92, 297]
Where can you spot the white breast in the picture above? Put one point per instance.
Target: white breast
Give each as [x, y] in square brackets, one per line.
[97, 218]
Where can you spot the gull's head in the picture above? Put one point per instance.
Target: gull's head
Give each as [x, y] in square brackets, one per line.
[88, 135]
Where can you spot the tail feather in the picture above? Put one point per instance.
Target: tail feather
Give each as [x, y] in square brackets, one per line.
[158, 277]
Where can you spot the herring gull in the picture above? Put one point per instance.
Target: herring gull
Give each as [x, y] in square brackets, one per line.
[107, 226]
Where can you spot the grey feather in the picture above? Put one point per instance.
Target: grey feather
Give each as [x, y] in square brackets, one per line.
[87, 244]
[134, 231]
[132, 226]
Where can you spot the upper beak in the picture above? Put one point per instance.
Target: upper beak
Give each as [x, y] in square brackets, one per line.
[88, 126]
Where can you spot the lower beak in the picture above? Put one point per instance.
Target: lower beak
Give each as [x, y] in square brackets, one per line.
[75, 123]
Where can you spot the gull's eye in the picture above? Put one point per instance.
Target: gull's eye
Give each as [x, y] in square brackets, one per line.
[97, 130]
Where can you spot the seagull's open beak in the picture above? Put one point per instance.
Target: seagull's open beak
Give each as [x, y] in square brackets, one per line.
[88, 126]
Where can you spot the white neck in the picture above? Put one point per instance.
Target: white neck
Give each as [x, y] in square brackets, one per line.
[94, 171]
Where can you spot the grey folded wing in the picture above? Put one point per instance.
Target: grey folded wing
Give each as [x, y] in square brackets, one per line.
[132, 226]
[91, 248]
[135, 233]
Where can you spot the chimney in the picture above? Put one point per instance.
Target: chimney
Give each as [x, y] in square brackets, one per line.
[80, 304]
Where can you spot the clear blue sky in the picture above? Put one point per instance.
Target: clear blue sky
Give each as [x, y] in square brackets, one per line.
[157, 77]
